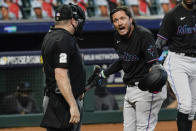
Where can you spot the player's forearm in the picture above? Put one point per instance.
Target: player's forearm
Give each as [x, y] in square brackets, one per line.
[115, 67]
[160, 43]
[64, 86]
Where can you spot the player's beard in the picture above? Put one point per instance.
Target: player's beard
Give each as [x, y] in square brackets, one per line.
[128, 33]
[194, 4]
[188, 5]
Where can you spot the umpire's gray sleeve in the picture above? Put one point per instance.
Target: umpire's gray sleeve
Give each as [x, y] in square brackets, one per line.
[45, 103]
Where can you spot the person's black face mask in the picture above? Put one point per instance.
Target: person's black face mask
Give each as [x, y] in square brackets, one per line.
[79, 29]
[23, 100]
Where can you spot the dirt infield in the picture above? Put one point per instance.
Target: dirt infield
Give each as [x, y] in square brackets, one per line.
[161, 126]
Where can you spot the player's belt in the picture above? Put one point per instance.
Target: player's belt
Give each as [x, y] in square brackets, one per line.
[187, 54]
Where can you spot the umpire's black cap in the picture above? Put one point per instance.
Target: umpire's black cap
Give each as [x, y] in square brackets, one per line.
[63, 12]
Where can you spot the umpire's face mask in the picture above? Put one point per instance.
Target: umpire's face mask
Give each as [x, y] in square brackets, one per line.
[79, 15]
[79, 28]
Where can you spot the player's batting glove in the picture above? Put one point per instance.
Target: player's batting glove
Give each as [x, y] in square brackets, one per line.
[101, 77]
[162, 58]
[96, 79]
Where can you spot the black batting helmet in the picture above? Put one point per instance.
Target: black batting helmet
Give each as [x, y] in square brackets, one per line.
[154, 80]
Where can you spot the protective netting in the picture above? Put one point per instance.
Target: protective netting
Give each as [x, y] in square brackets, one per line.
[21, 90]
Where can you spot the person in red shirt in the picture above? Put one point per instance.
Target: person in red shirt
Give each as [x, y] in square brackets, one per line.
[14, 8]
[6, 14]
[47, 7]
[83, 4]
[144, 7]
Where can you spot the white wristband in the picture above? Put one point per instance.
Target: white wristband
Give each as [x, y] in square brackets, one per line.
[102, 74]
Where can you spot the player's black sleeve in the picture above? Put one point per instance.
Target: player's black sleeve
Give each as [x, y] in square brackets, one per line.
[62, 52]
[167, 26]
[149, 48]
[160, 43]
[115, 67]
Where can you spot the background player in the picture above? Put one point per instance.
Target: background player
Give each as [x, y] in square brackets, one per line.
[20, 102]
[137, 53]
[178, 29]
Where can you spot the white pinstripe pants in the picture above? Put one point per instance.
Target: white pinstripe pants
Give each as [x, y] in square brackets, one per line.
[141, 109]
[182, 78]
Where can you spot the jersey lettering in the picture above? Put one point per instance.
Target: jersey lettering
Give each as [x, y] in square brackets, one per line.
[128, 57]
[186, 30]
[63, 58]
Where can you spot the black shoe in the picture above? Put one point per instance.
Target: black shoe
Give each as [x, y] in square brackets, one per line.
[182, 122]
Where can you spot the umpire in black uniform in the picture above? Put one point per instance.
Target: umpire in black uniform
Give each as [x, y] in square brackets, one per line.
[64, 70]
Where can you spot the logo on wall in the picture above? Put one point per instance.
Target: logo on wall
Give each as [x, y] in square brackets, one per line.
[20, 60]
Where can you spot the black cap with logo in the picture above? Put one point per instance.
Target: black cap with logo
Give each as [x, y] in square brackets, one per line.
[63, 12]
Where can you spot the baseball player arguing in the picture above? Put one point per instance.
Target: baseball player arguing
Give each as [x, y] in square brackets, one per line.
[138, 59]
[178, 31]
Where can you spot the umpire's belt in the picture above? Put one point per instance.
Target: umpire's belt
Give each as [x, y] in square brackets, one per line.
[132, 84]
[187, 54]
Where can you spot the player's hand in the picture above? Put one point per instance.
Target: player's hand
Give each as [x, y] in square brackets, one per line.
[93, 77]
[96, 79]
[75, 114]
[100, 78]
[81, 96]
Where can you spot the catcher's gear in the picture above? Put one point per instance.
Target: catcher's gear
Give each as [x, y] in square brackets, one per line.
[79, 15]
[65, 12]
[154, 80]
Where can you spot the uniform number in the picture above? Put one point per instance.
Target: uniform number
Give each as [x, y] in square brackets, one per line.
[63, 58]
